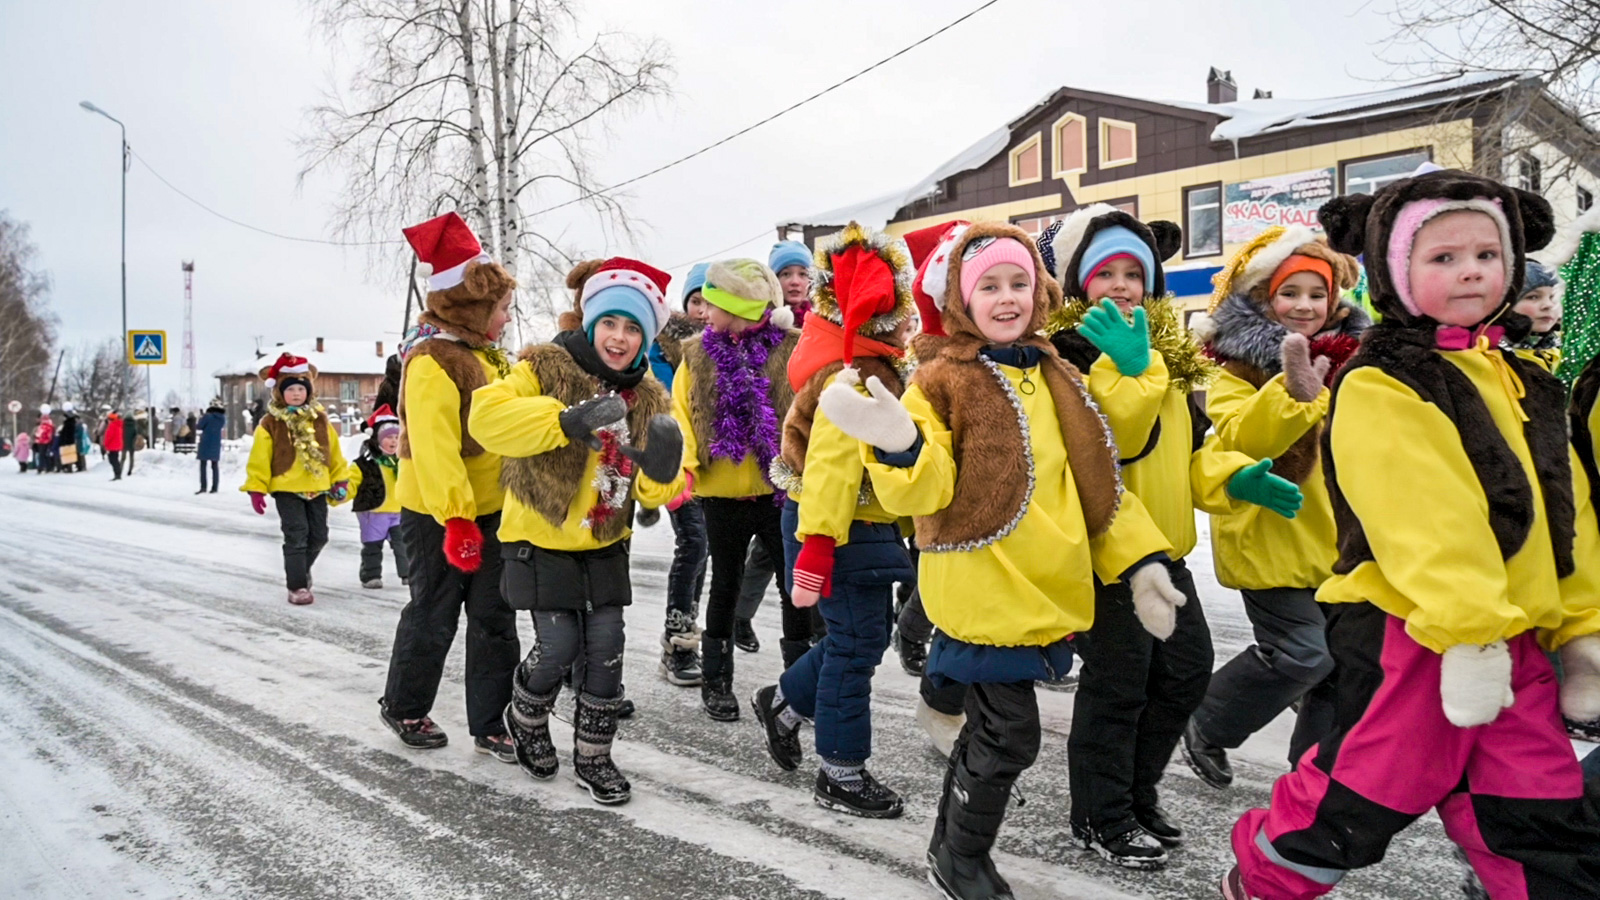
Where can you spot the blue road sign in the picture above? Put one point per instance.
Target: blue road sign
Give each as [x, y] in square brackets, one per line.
[147, 348]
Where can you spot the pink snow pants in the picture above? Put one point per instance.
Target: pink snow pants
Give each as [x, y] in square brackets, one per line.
[1510, 793]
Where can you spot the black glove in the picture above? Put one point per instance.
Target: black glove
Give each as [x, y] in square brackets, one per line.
[662, 456]
[580, 422]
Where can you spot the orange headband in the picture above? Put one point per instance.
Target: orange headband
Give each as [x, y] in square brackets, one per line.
[1297, 263]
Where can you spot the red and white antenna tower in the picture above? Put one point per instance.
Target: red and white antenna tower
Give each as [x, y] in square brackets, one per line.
[188, 333]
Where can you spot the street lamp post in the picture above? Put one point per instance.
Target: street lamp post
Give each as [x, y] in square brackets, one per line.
[95, 109]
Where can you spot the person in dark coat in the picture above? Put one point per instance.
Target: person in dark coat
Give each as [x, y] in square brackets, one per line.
[209, 447]
[389, 388]
[67, 437]
[130, 441]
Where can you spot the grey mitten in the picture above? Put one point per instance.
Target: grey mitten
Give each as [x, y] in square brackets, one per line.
[579, 423]
[662, 455]
[1302, 378]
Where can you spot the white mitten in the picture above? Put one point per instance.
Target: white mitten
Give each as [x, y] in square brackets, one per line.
[1580, 691]
[880, 420]
[1475, 683]
[1155, 600]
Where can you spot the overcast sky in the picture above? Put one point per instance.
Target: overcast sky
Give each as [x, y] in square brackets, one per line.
[214, 96]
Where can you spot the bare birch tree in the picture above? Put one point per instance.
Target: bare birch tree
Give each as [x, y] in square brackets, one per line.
[93, 376]
[27, 327]
[487, 107]
[1558, 41]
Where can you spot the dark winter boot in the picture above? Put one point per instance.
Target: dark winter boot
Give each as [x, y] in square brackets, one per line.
[680, 658]
[783, 744]
[970, 815]
[1207, 760]
[913, 654]
[716, 690]
[1124, 844]
[527, 720]
[418, 734]
[744, 636]
[592, 734]
[863, 796]
[1155, 820]
[792, 651]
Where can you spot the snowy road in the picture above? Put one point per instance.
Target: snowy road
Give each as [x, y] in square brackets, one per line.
[177, 729]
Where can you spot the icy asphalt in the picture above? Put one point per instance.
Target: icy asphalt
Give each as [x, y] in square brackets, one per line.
[175, 729]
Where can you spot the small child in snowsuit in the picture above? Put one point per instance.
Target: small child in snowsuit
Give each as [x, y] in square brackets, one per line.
[376, 504]
[585, 432]
[842, 547]
[1540, 304]
[1001, 456]
[1468, 547]
[297, 459]
[1280, 333]
[1135, 691]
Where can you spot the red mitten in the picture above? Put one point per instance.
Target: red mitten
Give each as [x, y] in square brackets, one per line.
[463, 544]
[686, 496]
[258, 502]
[813, 570]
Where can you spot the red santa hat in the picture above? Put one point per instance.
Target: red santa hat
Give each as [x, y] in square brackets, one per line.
[381, 416]
[287, 364]
[930, 253]
[447, 244]
[642, 279]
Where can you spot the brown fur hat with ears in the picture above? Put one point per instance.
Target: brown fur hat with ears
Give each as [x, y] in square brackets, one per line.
[466, 309]
[956, 318]
[572, 319]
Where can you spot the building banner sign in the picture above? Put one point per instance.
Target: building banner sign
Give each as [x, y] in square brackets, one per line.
[1250, 207]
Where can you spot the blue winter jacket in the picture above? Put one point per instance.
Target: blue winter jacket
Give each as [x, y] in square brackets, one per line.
[659, 366]
[210, 428]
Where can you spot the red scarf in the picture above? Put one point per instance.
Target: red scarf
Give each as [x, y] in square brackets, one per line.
[822, 343]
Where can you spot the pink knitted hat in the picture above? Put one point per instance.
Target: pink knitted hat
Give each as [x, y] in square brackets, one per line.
[991, 254]
[1418, 213]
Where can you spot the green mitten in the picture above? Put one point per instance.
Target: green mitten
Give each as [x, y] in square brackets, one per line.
[1127, 343]
[1256, 484]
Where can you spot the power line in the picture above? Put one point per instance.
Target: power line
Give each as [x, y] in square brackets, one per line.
[227, 218]
[716, 253]
[782, 112]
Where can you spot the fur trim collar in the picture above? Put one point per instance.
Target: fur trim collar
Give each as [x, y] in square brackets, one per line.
[1241, 330]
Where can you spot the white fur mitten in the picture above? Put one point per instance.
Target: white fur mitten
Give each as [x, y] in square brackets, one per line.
[1302, 378]
[1155, 600]
[880, 420]
[1580, 691]
[1475, 683]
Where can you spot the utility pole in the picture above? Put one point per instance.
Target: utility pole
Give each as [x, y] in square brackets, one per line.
[188, 333]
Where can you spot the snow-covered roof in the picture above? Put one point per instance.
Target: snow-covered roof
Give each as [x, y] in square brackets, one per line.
[337, 357]
[877, 212]
[1251, 118]
[1240, 119]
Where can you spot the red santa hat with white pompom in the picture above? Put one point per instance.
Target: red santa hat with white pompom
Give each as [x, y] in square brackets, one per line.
[448, 245]
[930, 253]
[285, 365]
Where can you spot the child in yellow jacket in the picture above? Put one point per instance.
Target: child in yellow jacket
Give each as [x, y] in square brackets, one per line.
[1136, 693]
[585, 432]
[730, 397]
[374, 500]
[297, 459]
[1280, 333]
[1468, 548]
[1013, 535]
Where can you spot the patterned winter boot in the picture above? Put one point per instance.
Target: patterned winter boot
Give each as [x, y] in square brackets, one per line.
[592, 734]
[527, 720]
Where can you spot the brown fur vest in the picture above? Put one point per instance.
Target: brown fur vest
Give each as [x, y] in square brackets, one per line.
[283, 445]
[1407, 355]
[464, 369]
[546, 483]
[994, 463]
[704, 389]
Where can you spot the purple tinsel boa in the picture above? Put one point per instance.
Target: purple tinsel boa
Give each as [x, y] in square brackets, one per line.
[746, 424]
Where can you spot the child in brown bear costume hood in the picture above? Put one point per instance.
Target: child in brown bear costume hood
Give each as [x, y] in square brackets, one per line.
[450, 495]
[998, 452]
[1462, 561]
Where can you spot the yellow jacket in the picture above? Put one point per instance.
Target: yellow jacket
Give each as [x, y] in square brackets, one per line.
[1173, 479]
[1547, 360]
[391, 497]
[1405, 473]
[512, 417]
[1254, 548]
[723, 478]
[258, 469]
[831, 493]
[1034, 586]
[436, 480]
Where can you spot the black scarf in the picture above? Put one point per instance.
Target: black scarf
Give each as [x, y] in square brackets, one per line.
[1017, 357]
[581, 349]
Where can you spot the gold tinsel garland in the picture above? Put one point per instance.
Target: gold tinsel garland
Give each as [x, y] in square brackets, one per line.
[1187, 366]
[891, 250]
[302, 424]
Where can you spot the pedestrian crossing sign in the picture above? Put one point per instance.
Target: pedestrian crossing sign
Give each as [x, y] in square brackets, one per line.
[147, 348]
